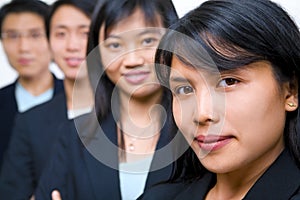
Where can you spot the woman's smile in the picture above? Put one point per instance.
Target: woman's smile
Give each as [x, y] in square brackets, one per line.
[136, 77]
[212, 142]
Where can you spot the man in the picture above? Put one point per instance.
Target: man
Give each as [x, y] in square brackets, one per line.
[23, 36]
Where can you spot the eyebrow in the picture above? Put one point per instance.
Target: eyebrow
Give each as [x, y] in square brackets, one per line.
[139, 34]
[178, 79]
[31, 29]
[67, 27]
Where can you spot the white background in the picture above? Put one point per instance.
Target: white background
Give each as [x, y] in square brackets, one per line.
[8, 75]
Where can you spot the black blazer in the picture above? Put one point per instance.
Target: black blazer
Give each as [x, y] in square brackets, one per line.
[280, 182]
[9, 109]
[32, 138]
[76, 172]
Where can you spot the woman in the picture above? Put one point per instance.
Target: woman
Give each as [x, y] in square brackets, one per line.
[37, 130]
[234, 78]
[117, 160]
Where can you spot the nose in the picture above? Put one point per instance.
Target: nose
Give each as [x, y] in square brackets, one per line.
[73, 43]
[134, 58]
[24, 44]
[206, 109]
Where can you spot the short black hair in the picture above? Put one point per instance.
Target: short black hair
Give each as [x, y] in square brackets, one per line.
[86, 6]
[20, 6]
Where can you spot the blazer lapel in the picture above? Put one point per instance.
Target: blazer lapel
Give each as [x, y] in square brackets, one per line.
[161, 165]
[198, 189]
[100, 155]
[280, 181]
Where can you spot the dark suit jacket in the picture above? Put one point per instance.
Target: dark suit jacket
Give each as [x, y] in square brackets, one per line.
[280, 182]
[8, 111]
[32, 138]
[85, 165]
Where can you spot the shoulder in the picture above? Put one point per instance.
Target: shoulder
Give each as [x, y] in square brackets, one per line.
[8, 104]
[9, 89]
[182, 190]
[167, 191]
[280, 181]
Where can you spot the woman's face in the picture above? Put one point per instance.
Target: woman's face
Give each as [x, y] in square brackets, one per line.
[127, 54]
[233, 119]
[69, 30]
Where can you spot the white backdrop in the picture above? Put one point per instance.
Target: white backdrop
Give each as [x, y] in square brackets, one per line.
[8, 75]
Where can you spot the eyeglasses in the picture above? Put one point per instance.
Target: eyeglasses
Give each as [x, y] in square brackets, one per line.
[14, 36]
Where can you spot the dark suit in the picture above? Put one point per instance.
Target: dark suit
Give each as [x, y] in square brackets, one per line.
[78, 174]
[32, 138]
[280, 182]
[8, 111]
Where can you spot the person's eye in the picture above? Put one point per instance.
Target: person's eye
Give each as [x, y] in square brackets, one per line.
[114, 45]
[36, 35]
[228, 82]
[85, 34]
[149, 41]
[13, 35]
[60, 35]
[184, 90]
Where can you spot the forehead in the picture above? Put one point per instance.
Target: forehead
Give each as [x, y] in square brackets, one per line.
[136, 20]
[193, 68]
[181, 72]
[23, 20]
[69, 16]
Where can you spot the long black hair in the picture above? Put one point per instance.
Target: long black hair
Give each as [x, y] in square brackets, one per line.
[227, 34]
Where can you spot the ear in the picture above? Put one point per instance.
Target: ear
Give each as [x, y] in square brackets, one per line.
[291, 99]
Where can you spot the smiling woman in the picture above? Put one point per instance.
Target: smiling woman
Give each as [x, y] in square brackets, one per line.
[234, 75]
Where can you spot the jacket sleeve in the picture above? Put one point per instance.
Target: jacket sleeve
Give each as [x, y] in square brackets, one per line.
[55, 174]
[16, 178]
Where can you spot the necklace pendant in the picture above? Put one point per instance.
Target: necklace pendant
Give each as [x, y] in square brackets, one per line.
[131, 147]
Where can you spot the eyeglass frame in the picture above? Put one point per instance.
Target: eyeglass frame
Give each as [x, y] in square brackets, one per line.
[14, 36]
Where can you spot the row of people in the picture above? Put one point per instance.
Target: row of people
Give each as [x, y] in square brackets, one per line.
[65, 27]
[226, 74]
[36, 131]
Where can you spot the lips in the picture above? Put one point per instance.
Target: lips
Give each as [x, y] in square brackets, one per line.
[213, 142]
[74, 62]
[136, 77]
[24, 61]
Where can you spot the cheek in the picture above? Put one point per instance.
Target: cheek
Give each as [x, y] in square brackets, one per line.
[183, 115]
[11, 51]
[57, 49]
[44, 48]
[262, 118]
[177, 112]
[112, 72]
[149, 55]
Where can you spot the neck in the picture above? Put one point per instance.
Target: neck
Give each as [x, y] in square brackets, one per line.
[39, 84]
[79, 93]
[142, 111]
[140, 124]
